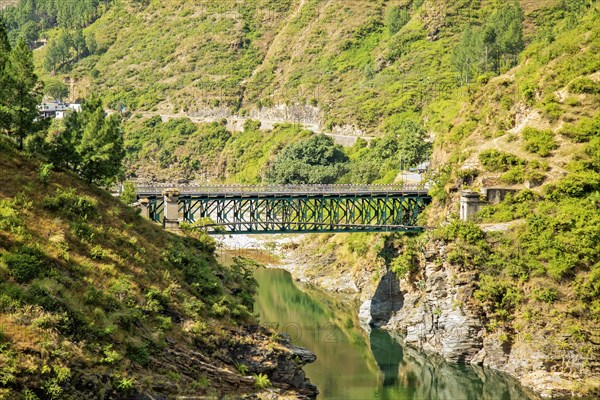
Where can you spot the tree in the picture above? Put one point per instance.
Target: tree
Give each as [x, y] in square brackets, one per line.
[495, 45]
[395, 19]
[5, 83]
[79, 44]
[101, 147]
[56, 89]
[466, 56]
[61, 144]
[310, 161]
[25, 92]
[91, 44]
[412, 146]
[51, 61]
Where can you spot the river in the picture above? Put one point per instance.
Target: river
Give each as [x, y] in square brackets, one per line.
[355, 364]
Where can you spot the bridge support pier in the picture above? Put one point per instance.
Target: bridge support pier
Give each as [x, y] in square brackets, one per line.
[144, 205]
[470, 204]
[171, 218]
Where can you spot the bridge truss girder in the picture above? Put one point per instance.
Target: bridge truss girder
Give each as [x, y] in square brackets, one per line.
[299, 214]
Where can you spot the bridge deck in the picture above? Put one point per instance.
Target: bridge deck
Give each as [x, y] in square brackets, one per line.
[289, 208]
[284, 190]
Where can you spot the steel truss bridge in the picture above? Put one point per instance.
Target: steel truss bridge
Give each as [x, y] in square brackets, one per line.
[238, 209]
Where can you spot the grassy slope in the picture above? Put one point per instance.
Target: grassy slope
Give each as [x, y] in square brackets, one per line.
[336, 54]
[105, 302]
[178, 56]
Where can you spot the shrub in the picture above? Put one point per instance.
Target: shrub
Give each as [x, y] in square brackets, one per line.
[547, 295]
[538, 141]
[97, 253]
[528, 91]
[584, 131]
[462, 131]
[129, 194]
[514, 175]
[467, 175]
[574, 185]
[138, 354]
[499, 295]
[82, 230]
[251, 125]
[156, 300]
[466, 231]
[98, 298]
[584, 85]
[125, 385]
[110, 356]
[196, 270]
[9, 216]
[242, 368]
[26, 264]
[407, 261]
[69, 204]
[44, 173]
[494, 160]
[588, 287]
[11, 297]
[551, 109]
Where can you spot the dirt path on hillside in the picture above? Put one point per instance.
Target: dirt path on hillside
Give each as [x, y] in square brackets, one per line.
[235, 123]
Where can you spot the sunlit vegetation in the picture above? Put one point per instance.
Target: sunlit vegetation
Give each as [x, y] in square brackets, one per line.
[77, 266]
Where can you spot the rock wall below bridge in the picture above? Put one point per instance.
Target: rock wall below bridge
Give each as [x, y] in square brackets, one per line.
[437, 313]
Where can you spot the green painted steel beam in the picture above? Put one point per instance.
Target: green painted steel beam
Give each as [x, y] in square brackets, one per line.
[301, 213]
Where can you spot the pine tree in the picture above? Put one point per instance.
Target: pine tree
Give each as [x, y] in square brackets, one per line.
[91, 44]
[51, 62]
[5, 83]
[25, 92]
[101, 148]
[79, 44]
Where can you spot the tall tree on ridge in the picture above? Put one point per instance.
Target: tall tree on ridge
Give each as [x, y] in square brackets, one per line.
[24, 92]
[4, 78]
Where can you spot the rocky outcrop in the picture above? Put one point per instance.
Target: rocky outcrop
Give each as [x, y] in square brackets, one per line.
[434, 313]
[214, 376]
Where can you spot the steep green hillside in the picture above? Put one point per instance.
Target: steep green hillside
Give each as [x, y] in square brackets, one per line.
[97, 302]
[363, 63]
[370, 65]
[178, 56]
[535, 256]
[179, 149]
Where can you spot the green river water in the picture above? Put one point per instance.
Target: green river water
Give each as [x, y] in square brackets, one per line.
[354, 364]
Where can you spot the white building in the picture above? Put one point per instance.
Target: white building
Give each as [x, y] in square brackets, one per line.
[58, 109]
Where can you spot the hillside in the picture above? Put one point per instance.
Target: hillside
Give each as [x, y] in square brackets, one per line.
[524, 275]
[496, 93]
[97, 302]
[360, 66]
[355, 67]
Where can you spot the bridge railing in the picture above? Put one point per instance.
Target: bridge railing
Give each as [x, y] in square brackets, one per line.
[234, 190]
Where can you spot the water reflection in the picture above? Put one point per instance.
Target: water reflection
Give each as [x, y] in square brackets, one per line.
[353, 364]
[411, 374]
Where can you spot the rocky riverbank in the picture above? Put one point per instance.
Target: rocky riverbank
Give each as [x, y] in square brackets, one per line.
[436, 313]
